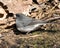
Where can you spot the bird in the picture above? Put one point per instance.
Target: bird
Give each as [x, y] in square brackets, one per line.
[27, 24]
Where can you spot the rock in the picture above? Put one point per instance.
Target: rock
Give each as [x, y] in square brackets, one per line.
[2, 13]
[3, 21]
[0, 35]
[41, 1]
[17, 6]
[56, 1]
[59, 5]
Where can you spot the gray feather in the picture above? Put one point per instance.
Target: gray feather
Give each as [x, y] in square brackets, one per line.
[27, 24]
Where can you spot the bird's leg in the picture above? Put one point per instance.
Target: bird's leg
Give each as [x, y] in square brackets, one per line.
[27, 33]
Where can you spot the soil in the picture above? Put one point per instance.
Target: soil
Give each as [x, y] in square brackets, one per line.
[48, 36]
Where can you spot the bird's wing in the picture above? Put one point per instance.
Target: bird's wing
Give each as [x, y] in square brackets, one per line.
[34, 22]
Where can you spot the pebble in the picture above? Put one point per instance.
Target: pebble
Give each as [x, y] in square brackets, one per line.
[59, 6]
[0, 35]
[3, 13]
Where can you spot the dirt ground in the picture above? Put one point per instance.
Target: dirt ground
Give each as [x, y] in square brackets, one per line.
[48, 36]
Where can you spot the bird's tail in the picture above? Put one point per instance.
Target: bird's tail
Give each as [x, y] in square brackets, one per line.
[50, 20]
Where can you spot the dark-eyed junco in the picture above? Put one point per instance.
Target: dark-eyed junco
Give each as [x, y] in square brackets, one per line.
[27, 24]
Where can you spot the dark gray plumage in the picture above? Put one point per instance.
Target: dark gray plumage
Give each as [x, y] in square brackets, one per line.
[27, 24]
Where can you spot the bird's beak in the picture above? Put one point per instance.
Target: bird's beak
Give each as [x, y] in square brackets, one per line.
[14, 16]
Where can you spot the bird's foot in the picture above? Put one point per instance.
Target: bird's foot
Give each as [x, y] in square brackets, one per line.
[27, 33]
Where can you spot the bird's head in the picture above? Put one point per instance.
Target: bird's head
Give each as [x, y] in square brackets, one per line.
[20, 16]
